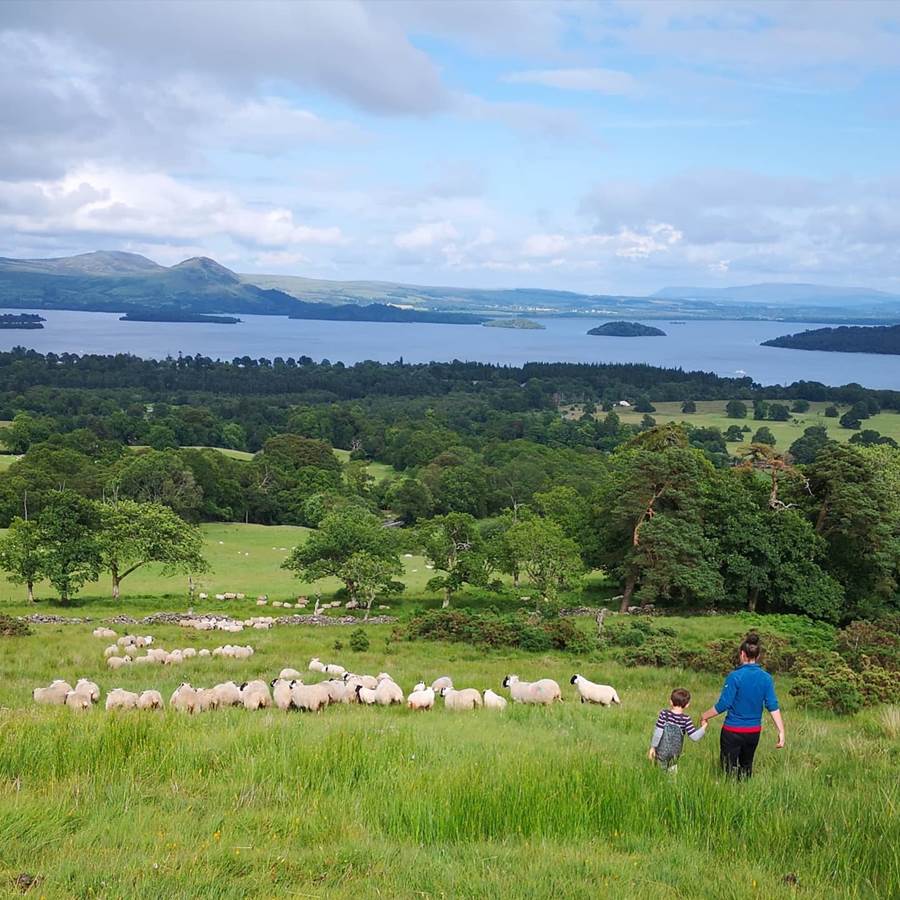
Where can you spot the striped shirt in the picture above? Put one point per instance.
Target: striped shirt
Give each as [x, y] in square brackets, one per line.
[680, 720]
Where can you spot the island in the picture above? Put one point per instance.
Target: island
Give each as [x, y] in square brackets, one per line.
[520, 324]
[21, 320]
[177, 315]
[626, 329]
[845, 339]
[380, 312]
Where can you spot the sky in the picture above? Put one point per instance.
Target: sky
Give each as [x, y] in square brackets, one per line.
[602, 147]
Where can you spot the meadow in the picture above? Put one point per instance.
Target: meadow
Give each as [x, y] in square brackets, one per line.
[711, 414]
[371, 802]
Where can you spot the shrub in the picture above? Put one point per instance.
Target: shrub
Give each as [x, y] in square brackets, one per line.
[10, 627]
[805, 633]
[359, 640]
[878, 685]
[876, 643]
[659, 651]
[337, 646]
[824, 681]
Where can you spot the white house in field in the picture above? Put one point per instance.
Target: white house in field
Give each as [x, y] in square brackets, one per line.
[624, 403]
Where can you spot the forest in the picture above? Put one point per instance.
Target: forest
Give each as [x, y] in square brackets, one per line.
[846, 338]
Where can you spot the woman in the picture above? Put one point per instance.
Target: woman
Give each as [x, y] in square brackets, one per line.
[747, 690]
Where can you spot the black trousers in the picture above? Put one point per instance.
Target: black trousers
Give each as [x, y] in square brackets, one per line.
[736, 751]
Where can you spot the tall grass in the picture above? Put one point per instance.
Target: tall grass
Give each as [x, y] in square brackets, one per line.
[363, 802]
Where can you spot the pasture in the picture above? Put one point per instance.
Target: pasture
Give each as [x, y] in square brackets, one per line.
[373, 802]
[711, 414]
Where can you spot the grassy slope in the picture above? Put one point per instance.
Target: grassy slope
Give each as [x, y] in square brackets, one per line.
[358, 802]
[712, 413]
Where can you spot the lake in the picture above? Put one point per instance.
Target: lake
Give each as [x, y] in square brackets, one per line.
[724, 347]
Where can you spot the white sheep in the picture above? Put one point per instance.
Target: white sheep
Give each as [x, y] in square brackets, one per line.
[228, 694]
[468, 698]
[440, 683]
[144, 661]
[337, 691]
[315, 665]
[116, 662]
[421, 698]
[594, 693]
[55, 695]
[367, 681]
[388, 692]
[89, 688]
[121, 699]
[78, 700]
[365, 695]
[176, 657]
[103, 632]
[111, 650]
[150, 700]
[309, 697]
[289, 674]
[188, 652]
[333, 669]
[493, 701]
[255, 695]
[203, 654]
[281, 693]
[157, 654]
[184, 698]
[544, 691]
[207, 699]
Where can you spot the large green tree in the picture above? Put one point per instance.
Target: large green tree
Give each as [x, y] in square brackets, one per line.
[549, 558]
[453, 545]
[133, 534]
[370, 576]
[21, 554]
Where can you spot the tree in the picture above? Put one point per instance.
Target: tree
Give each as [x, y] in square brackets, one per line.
[549, 558]
[688, 407]
[371, 575]
[832, 412]
[800, 406]
[67, 533]
[763, 436]
[647, 422]
[341, 535]
[21, 555]
[410, 500]
[850, 420]
[133, 534]
[760, 409]
[452, 543]
[734, 434]
[778, 412]
[805, 449]
[735, 409]
[762, 456]
[158, 477]
[868, 437]
[643, 405]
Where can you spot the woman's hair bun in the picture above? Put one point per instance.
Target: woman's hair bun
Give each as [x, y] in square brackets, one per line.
[752, 638]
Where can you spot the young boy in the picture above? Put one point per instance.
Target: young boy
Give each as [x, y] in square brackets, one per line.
[671, 727]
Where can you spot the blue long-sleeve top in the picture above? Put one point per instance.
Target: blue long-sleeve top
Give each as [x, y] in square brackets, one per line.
[747, 690]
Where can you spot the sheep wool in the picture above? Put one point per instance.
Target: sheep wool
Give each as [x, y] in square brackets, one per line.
[121, 699]
[184, 698]
[289, 674]
[116, 662]
[111, 650]
[544, 691]
[388, 692]
[315, 665]
[365, 695]
[78, 700]
[440, 683]
[603, 694]
[150, 700]
[228, 694]
[89, 688]
[281, 693]
[421, 698]
[493, 701]
[468, 698]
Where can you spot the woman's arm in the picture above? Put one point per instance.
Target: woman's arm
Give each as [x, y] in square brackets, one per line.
[779, 724]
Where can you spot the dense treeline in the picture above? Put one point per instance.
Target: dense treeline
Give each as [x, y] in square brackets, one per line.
[847, 338]
[488, 478]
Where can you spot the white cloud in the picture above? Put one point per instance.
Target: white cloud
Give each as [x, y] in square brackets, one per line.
[425, 236]
[601, 81]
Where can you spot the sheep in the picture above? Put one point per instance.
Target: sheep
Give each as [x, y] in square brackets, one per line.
[121, 699]
[125, 639]
[228, 694]
[333, 669]
[207, 699]
[281, 693]
[111, 650]
[157, 654]
[388, 692]
[184, 698]
[116, 662]
[594, 693]
[150, 700]
[203, 596]
[309, 697]
[365, 695]
[367, 681]
[544, 691]
[315, 665]
[337, 691]
[439, 683]
[188, 652]
[144, 661]
[89, 688]
[203, 653]
[176, 657]
[78, 700]
[468, 698]
[493, 701]
[383, 676]
[243, 652]
[421, 698]
[103, 632]
[289, 674]
[255, 695]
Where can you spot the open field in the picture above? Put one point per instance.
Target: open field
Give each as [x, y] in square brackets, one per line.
[243, 559]
[711, 413]
[355, 802]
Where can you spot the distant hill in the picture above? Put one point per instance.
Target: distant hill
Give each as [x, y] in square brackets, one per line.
[846, 339]
[626, 329]
[774, 292]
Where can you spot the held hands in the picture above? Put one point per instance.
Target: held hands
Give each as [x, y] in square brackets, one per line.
[651, 754]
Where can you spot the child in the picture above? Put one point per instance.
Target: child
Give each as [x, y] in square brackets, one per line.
[671, 727]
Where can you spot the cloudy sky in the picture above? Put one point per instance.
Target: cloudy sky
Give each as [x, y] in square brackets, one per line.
[595, 146]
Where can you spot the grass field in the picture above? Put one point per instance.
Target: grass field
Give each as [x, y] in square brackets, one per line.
[711, 413]
[243, 559]
[359, 803]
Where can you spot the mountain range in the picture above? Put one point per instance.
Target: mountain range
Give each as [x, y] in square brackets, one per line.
[116, 281]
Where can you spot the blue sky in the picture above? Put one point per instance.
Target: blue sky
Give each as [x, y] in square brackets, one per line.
[600, 147]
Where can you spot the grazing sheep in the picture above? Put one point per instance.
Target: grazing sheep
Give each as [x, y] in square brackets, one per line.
[203, 653]
[125, 639]
[383, 676]
[103, 632]
[176, 657]
[255, 695]
[440, 683]
[315, 665]
[121, 699]
[281, 693]
[144, 661]
[78, 700]
[309, 697]
[594, 693]
[157, 654]
[202, 596]
[365, 695]
[468, 698]
[116, 662]
[111, 650]
[332, 669]
[493, 701]
[289, 674]
[228, 694]
[207, 699]
[388, 692]
[89, 688]
[184, 698]
[544, 691]
[150, 700]
[421, 698]
[337, 691]
[188, 652]
[367, 681]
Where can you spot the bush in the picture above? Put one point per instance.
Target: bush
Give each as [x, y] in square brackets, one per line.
[879, 685]
[824, 681]
[10, 627]
[805, 633]
[659, 650]
[871, 643]
[359, 640]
